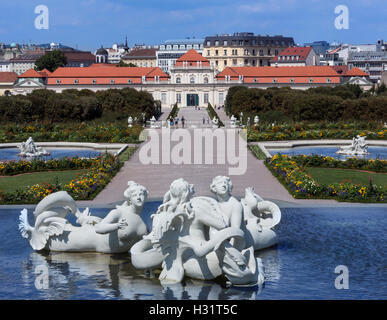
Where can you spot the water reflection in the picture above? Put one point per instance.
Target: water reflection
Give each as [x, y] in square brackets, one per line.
[112, 276]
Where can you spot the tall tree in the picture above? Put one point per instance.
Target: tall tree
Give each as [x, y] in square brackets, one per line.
[51, 61]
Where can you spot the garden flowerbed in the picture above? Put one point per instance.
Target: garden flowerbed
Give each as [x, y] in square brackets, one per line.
[291, 172]
[10, 168]
[85, 187]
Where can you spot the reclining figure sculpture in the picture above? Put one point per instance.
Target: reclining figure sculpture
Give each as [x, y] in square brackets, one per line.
[115, 233]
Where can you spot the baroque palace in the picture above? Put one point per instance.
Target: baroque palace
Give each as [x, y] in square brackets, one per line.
[192, 82]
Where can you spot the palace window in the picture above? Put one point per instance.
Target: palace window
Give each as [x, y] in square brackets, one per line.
[178, 80]
[234, 62]
[208, 52]
[205, 98]
[225, 63]
[216, 42]
[163, 98]
[205, 80]
[192, 80]
[216, 52]
[225, 42]
[178, 97]
[225, 52]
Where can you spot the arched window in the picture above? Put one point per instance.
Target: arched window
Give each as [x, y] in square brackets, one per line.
[205, 80]
[178, 80]
[192, 80]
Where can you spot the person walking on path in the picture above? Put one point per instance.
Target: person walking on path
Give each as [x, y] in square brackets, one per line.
[204, 121]
[182, 121]
[170, 122]
[176, 122]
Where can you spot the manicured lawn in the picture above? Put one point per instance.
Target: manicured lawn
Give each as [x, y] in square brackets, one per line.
[329, 176]
[13, 183]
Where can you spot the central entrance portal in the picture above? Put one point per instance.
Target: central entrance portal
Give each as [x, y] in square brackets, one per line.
[192, 100]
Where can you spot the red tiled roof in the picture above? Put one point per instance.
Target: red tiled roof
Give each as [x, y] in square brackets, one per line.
[355, 72]
[319, 74]
[8, 77]
[340, 69]
[192, 56]
[45, 73]
[304, 71]
[302, 52]
[94, 65]
[31, 73]
[103, 75]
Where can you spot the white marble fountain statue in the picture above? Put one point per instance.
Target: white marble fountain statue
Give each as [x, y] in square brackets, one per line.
[358, 147]
[197, 237]
[30, 150]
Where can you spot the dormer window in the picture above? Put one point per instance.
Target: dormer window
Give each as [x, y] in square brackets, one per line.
[255, 80]
[274, 80]
[94, 81]
[57, 81]
[111, 81]
[328, 80]
[129, 81]
[291, 80]
[310, 80]
[76, 81]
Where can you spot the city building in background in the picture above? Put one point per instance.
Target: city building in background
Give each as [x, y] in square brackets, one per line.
[372, 62]
[243, 49]
[141, 57]
[320, 47]
[171, 50]
[7, 81]
[296, 57]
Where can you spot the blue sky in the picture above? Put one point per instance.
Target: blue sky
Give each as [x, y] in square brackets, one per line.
[88, 24]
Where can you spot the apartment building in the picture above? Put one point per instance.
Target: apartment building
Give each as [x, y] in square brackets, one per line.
[243, 49]
[171, 50]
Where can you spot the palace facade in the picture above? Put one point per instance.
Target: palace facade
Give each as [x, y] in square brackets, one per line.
[192, 81]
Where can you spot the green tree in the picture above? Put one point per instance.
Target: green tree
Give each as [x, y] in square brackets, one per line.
[51, 61]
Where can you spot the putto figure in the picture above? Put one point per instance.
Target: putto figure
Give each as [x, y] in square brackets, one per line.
[115, 233]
